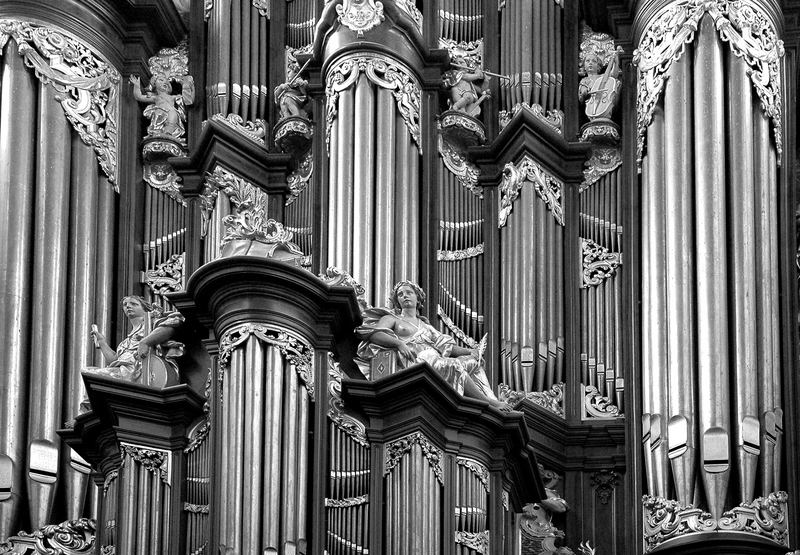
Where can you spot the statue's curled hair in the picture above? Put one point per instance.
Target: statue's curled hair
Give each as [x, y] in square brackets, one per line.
[417, 289]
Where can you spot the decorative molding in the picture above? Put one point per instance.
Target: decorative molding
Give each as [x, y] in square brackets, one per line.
[360, 15]
[73, 537]
[255, 130]
[666, 519]
[463, 126]
[200, 435]
[397, 449]
[553, 118]
[153, 460]
[552, 399]
[604, 160]
[462, 254]
[297, 351]
[110, 477]
[478, 469]
[348, 502]
[599, 263]
[604, 482]
[546, 186]
[465, 171]
[477, 541]
[383, 71]
[299, 179]
[596, 405]
[741, 23]
[196, 509]
[458, 332]
[346, 423]
[86, 85]
[167, 277]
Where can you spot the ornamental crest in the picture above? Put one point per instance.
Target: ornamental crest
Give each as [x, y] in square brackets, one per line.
[360, 15]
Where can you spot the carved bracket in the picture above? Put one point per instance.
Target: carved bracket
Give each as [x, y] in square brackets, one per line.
[742, 24]
[297, 351]
[596, 405]
[86, 86]
[546, 186]
[397, 449]
[383, 71]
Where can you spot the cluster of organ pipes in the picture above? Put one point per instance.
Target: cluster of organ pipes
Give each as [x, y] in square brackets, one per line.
[199, 459]
[601, 313]
[108, 525]
[264, 454]
[461, 20]
[532, 297]
[238, 60]
[472, 500]
[58, 260]
[531, 53]
[301, 17]
[347, 499]
[710, 344]
[460, 256]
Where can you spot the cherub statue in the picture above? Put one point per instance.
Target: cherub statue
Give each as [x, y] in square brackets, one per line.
[600, 91]
[166, 111]
[147, 353]
[468, 88]
[403, 330]
[291, 97]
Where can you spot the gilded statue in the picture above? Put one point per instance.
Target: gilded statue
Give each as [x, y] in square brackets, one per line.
[599, 90]
[468, 88]
[166, 111]
[414, 340]
[291, 97]
[147, 354]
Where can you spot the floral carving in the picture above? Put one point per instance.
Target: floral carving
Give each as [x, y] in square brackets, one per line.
[553, 118]
[527, 171]
[299, 179]
[740, 23]
[599, 263]
[360, 15]
[297, 351]
[604, 483]
[462, 254]
[167, 277]
[397, 449]
[479, 470]
[153, 460]
[476, 541]
[384, 72]
[86, 86]
[458, 332]
[552, 399]
[348, 502]
[604, 160]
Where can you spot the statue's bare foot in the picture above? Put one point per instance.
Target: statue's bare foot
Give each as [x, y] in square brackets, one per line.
[502, 406]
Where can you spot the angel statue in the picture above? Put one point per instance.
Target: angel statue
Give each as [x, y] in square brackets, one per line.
[147, 354]
[291, 97]
[166, 112]
[468, 88]
[599, 91]
[414, 340]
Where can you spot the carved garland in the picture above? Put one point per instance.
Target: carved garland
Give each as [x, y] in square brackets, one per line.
[346, 423]
[296, 350]
[153, 460]
[599, 263]
[458, 332]
[384, 72]
[741, 23]
[397, 449]
[666, 519]
[546, 186]
[348, 502]
[462, 254]
[479, 470]
[86, 86]
[465, 171]
[477, 541]
[110, 477]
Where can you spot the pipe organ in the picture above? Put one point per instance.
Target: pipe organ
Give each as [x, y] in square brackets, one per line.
[594, 197]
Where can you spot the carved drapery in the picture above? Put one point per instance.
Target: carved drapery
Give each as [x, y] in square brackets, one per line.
[297, 351]
[86, 86]
[546, 186]
[384, 72]
[741, 23]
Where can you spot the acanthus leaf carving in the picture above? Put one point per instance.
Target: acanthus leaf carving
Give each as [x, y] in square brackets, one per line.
[73, 537]
[397, 449]
[596, 405]
[478, 469]
[476, 541]
[552, 399]
[604, 482]
[153, 460]
[167, 277]
[547, 187]
[299, 179]
[599, 263]
[740, 23]
[86, 86]
[349, 425]
[383, 71]
[465, 171]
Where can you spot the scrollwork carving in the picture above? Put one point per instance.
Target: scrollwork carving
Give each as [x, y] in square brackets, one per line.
[604, 482]
[547, 187]
[410, 7]
[596, 405]
[167, 277]
[397, 449]
[479, 470]
[152, 460]
[465, 171]
[299, 179]
[73, 537]
[740, 23]
[604, 160]
[360, 15]
[349, 425]
[552, 118]
[477, 541]
[599, 263]
[383, 71]
[86, 86]
[462, 254]
[456, 331]
[297, 351]
[255, 130]
[348, 502]
[552, 399]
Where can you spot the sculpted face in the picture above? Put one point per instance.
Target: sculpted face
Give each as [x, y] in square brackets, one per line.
[407, 297]
[133, 308]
